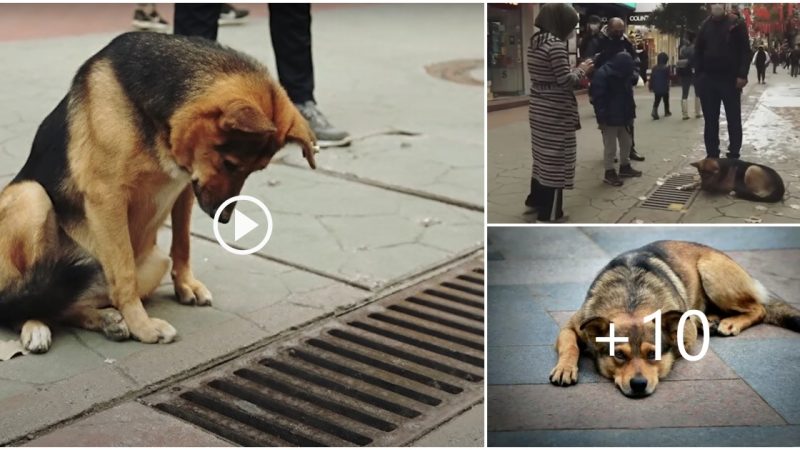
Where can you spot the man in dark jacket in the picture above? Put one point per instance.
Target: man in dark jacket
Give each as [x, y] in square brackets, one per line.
[722, 62]
[591, 38]
[794, 59]
[613, 41]
[612, 97]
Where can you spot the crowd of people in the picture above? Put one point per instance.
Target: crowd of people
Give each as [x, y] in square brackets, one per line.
[714, 60]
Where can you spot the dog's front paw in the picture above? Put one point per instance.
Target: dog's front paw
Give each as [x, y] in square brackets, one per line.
[35, 336]
[728, 327]
[189, 291]
[153, 331]
[564, 375]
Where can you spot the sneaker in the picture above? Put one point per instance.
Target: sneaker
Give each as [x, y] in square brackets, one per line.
[327, 134]
[635, 156]
[230, 15]
[629, 172]
[152, 21]
[612, 178]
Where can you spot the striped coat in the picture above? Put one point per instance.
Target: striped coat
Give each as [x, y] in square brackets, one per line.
[553, 111]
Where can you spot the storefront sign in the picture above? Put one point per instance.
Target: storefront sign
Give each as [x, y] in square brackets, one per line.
[638, 18]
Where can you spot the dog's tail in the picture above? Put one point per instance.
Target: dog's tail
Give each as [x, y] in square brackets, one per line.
[781, 313]
[48, 288]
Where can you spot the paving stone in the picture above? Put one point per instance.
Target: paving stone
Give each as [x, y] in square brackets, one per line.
[128, 425]
[601, 405]
[520, 243]
[560, 296]
[515, 319]
[465, 430]
[769, 366]
[66, 353]
[776, 269]
[783, 436]
[618, 240]
[547, 271]
[531, 365]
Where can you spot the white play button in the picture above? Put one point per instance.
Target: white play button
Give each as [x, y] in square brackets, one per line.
[243, 225]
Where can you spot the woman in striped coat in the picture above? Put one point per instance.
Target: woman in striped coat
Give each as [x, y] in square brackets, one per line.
[553, 110]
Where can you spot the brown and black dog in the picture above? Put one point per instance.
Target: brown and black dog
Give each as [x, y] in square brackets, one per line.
[674, 277]
[150, 122]
[747, 180]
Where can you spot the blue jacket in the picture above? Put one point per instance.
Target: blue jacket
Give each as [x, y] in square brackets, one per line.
[659, 77]
[611, 92]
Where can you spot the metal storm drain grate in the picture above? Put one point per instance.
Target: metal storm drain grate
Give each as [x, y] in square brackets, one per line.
[381, 375]
[667, 196]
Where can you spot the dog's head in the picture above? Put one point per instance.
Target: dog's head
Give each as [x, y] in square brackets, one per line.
[708, 169]
[633, 365]
[231, 131]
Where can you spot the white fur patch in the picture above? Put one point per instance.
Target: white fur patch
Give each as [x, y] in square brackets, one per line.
[763, 295]
[35, 336]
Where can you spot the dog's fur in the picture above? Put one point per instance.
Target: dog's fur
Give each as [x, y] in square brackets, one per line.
[150, 122]
[671, 276]
[747, 180]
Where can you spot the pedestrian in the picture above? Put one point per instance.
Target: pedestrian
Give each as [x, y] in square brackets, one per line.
[794, 58]
[722, 62]
[589, 42]
[659, 85]
[644, 62]
[612, 41]
[612, 97]
[146, 17]
[761, 61]
[774, 57]
[290, 30]
[553, 110]
[686, 73]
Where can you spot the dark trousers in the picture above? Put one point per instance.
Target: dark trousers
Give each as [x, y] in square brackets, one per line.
[761, 72]
[290, 31]
[686, 84]
[795, 70]
[713, 93]
[548, 201]
[774, 66]
[658, 102]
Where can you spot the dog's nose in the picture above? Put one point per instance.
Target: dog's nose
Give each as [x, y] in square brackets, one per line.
[638, 384]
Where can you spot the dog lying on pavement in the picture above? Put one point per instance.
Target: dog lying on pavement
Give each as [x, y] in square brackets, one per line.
[747, 180]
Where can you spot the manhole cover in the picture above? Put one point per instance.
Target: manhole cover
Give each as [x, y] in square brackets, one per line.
[667, 197]
[382, 375]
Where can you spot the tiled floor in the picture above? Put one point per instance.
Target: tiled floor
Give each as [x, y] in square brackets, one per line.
[745, 391]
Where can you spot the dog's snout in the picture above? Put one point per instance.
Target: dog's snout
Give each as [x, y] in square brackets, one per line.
[638, 384]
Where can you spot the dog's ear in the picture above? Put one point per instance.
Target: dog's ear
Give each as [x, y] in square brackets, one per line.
[697, 165]
[292, 126]
[301, 134]
[669, 325]
[595, 326]
[243, 116]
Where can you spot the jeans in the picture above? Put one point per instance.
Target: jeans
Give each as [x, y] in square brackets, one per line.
[612, 134]
[714, 92]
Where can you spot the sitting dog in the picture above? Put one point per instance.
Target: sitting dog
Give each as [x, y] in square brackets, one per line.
[671, 276]
[150, 122]
[749, 181]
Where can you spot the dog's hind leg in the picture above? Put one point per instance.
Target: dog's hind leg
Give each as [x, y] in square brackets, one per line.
[565, 373]
[733, 291]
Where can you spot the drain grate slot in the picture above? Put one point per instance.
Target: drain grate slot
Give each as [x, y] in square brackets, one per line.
[381, 375]
[667, 196]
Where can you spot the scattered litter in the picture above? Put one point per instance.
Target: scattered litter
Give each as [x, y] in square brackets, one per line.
[643, 198]
[667, 160]
[778, 213]
[753, 219]
[638, 221]
[205, 259]
[761, 208]
[684, 156]
[794, 206]
[10, 349]
[660, 182]
[110, 361]
[675, 207]
[273, 182]
[429, 222]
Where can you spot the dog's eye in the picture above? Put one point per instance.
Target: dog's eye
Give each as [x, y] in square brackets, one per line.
[619, 354]
[651, 355]
[230, 166]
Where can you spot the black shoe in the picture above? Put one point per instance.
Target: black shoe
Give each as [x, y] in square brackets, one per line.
[612, 178]
[628, 172]
[635, 156]
[327, 134]
[667, 114]
[229, 15]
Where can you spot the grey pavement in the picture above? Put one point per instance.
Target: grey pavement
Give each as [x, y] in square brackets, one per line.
[743, 392]
[771, 119]
[377, 215]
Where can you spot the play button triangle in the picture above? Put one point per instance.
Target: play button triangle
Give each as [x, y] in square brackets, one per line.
[242, 225]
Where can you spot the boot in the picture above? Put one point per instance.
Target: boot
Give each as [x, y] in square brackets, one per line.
[685, 109]
[530, 202]
[628, 172]
[698, 110]
[633, 156]
[654, 115]
[612, 178]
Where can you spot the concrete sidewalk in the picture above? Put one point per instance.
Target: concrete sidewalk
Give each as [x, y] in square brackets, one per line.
[771, 137]
[744, 392]
[376, 215]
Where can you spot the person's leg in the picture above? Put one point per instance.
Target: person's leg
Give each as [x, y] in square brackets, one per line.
[732, 100]
[667, 113]
[551, 209]
[197, 19]
[686, 83]
[609, 153]
[625, 168]
[710, 101]
[654, 113]
[290, 30]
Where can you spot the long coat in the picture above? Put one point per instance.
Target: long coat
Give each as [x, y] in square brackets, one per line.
[553, 111]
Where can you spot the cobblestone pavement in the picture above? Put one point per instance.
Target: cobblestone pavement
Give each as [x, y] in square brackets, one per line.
[771, 123]
[744, 392]
[378, 214]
